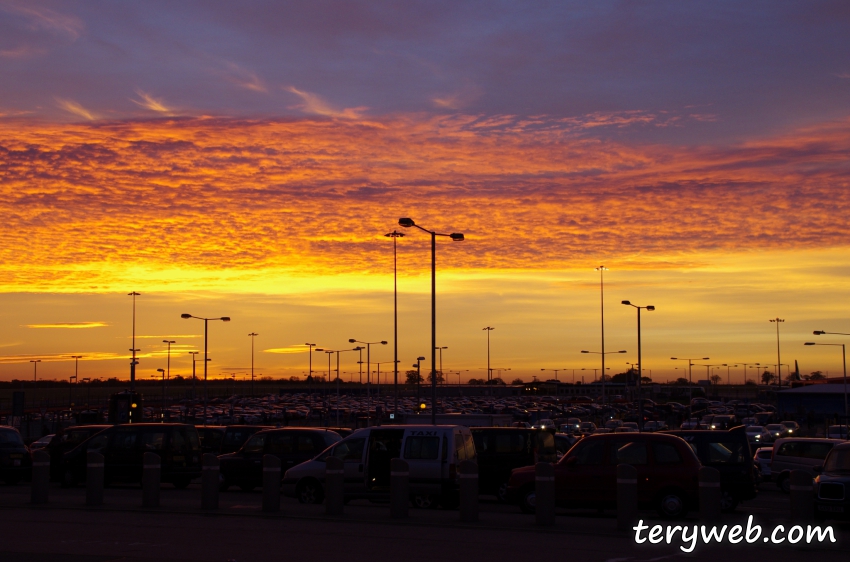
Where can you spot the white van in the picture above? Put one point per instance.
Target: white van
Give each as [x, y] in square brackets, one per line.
[432, 452]
[798, 453]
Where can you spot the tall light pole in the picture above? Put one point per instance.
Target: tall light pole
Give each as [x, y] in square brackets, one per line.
[76, 359]
[690, 378]
[194, 355]
[310, 347]
[368, 374]
[844, 360]
[395, 235]
[35, 363]
[602, 370]
[602, 269]
[253, 335]
[778, 321]
[556, 372]
[168, 364]
[162, 405]
[648, 308]
[206, 348]
[728, 375]
[595, 370]
[456, 237]
[441, 360]
[489, 371]
[133, 362]
[418, 366]
[745, 366]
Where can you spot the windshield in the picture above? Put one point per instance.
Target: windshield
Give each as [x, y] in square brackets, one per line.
[10, 438]
[838, 461]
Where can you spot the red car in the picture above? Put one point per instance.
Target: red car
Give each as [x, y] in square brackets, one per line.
[586, 477]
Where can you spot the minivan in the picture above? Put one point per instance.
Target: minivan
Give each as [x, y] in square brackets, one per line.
[502, 449]
[796, 453]
[123, 448]
[432, 452]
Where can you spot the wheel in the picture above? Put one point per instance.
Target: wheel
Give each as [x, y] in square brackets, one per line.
[671, 504]
[502, 492]
[181, 482]
[784, 484]
[728, 501]
[310, 491]
[423, 501]
[528, 500]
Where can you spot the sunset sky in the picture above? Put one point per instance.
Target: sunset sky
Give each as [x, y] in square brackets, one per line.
[247, 158]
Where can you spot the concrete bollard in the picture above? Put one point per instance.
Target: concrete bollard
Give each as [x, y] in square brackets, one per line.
[271, 484]
[544, 494]
[802, 496]
[94, 478]
[151, 478]
[468, 475]
[40, 477]
[627, 498]
[334, 486]
[399, 488]
[709, 494]
[210, 481]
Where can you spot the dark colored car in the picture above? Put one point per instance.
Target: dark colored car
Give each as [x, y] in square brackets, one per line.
[729, 452]
[586, 477]
[292, 446]
[66, 440]
[211, 437]
[502, 449]
[123, 448]
[15, 460]
[832, 485]
[236, 435]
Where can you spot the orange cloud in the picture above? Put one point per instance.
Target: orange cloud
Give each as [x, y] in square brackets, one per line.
[72, 325]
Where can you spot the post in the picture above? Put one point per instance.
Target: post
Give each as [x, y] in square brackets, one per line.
[433, 328]
[151, 478]
[639, 375]
[40, 477]
[468, 474]
[399, 488]
[802, 498]
[94, 478]
[627, 500]
[210, 481]
[709, 494]
[334, 486]
[544, 481]
[271, 484]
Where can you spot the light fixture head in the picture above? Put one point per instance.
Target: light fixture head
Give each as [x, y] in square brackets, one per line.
[456, 236]
[420, 359]
[185, 315]
[626, 303]
[650, 307]
[351, 340]
[406, 222]
[818, 332]
[809, 343]
[383, 343]
[225, 318]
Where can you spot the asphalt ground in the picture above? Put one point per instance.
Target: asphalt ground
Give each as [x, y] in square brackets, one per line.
[121, 530]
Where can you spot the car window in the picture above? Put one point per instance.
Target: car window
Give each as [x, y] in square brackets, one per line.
[212, 439]
[422, 447]
[153, 440]
[350, 450]
[624, 452]
[280, 444]
[725, 452]
[10, 438]
[810, 450]
[838, 460]
[193, 438]
[665, 453]
[125, 440]
[545, 443]
[305, 444]
[97, 442]
[74, 438]
[178, 440]
[589, 453]
[255, 444]
[790, 449]
[764, 454]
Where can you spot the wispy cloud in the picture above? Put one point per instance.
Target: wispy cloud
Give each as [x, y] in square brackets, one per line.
[313, 103]
[173, 336]
[844, 75]
[40, 17]
[58, 357]
[149, 102]
[72, 325]
[244, 78]
[289, 349]
[74, 108]
[20, 52]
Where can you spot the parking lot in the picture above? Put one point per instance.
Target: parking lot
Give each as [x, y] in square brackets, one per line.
[179, 530]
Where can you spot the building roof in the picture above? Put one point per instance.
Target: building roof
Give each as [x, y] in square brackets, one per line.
[817, 389]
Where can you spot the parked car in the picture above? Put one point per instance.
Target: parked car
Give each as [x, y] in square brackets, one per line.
[651, 426]
[211, 437]
[502, 449]
[66, 440]
[564, 443]
[15, 460]
[792, 428]
[836, 432]
[41, 443]
[236, 435]
[832, 500]
[762, 459]
[123, 448]
[431, 451]
[796, 453]
[244, 468]
[723, 422]
[587, 427]
[776, 430]
[757, 435]
[728, 452]
[586, 477]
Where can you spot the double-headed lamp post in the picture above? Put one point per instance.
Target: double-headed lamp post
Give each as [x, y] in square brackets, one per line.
[456, 237]
[690, 361]
[844, 361]
[489, 372]
[778, 321]
[648, 308]
[556, 372]
[162, 405]
[35, 363]
[368, 345]
[252, 335]
[395, 235]
[76, 359]
[206, 349]
[603, 354]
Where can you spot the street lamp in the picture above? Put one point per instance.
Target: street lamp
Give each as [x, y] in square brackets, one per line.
[133, 362]
[844, 360]
[194, 355]
[168, 364]
[746, 366]
[456, 237]
[649, 308]
[368, 373]
[162, 405]
[35, 363]
[690, 361]
[489, 371]
[395, 236]
[778, 321]
[418, 365]
[728, 376]
[556, 372]
[602, 269]
[310, 347]
[603, 354]
[441, 361]
[76, 359]
[206, 358]
[252, 335]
